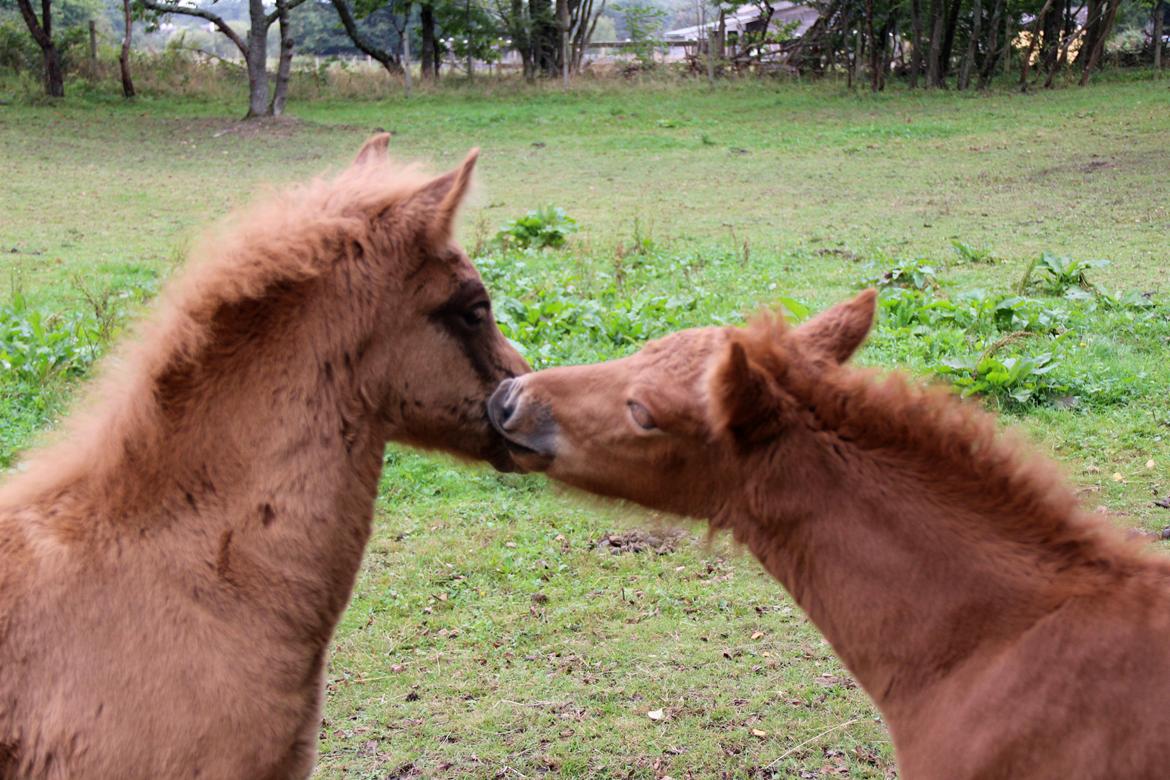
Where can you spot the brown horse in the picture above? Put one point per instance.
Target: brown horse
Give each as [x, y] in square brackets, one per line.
[1002, 632]
[172, 571]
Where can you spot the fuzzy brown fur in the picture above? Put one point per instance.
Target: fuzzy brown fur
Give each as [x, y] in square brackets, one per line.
[172, 569]
[1002, 631]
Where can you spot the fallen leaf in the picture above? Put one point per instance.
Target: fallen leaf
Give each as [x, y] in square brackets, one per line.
[757, 634]
[510, 545]
[1117, 477]
[655, 714]
[442, 597]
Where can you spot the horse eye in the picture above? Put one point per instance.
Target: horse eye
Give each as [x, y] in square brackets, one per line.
[641, 416]
[477, 314]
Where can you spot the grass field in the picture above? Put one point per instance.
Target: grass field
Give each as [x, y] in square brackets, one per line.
[490, 635]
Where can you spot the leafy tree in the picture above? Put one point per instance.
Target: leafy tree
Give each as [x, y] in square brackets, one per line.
[643, 23]
[59, 28]
[473, 32]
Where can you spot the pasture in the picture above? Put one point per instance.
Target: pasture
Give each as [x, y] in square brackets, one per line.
[502, 627]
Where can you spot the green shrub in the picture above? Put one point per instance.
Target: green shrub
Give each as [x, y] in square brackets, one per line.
[544, 228]
[35, 346]
[972, 255]
[1018, 378]
[1063, 275]
[914, 274]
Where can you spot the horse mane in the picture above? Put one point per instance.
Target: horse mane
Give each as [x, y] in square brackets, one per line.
[284, 238]
[951, 443]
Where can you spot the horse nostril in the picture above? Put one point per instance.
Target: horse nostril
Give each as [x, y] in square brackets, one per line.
[502, 404]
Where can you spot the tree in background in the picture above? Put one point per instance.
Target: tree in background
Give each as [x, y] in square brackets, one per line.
[253, 47]
[643, 27]
[1161, 11]
[124, 53]
[551, 38]
[363, 9]
[471, 30]
[42, 32]
[46, 42]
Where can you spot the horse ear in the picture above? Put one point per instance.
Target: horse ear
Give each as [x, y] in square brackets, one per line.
[744, 400]
[836, 333]
[444, 196]
[374, 150]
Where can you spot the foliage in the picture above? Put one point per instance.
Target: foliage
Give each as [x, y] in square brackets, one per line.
[1065, 273]
[549, 323]
[643, 23]
[18, 51]
[35, 346]
[973, 255]
[317, 29]
[915, 274]
[1020, 378]
[470, 29]
[542, 228]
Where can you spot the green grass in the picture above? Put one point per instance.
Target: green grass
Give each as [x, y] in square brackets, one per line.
[489, 636]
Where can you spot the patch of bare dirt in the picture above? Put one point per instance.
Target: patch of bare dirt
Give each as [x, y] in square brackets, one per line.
[661, 542]
[268, 127]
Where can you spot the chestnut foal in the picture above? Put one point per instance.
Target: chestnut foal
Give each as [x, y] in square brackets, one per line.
[1002, 632]
[172, 571]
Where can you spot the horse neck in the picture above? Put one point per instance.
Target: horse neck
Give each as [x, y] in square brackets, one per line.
[268, 466]
[903, 579]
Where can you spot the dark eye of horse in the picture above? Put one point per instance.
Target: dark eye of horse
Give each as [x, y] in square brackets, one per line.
[641, 416]
[477, 314]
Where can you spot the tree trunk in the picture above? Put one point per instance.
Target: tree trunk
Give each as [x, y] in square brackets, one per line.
[948, 46]
[92, 48]
[1159, 31]
[519, 28]
[124, 56]
[563, 30]
[545, 36]
[969, 57]
[1050, 36]
[426, 24]
[933, 63]
[916, 42]
[1093, 15]
[884, 52]
[280, 94]
[257, 60]
[404, 37]
[42, 33]
[583, 24]
[1037, 25]
[991, 59]
[1069, 34]
[874, 74]
[1099, 44]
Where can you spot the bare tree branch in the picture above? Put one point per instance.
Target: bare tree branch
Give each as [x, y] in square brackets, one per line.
[388, 60]
[272, 17]
[224, 27]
